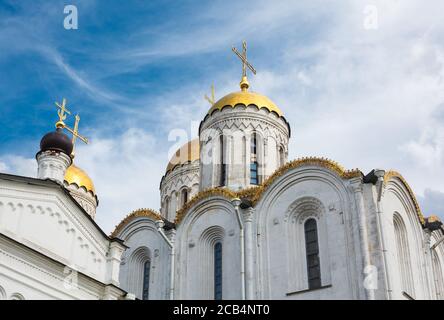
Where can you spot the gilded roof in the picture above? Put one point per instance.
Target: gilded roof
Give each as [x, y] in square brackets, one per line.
[189, 152]
[148, 213]
[76, 175]
[246, 98]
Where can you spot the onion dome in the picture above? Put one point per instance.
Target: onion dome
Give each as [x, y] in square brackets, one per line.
[246, 98]
[56, 141]
[189, 152]
[75, 175]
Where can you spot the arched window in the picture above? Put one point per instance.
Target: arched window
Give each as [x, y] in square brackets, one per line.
[218, 271]
[403, 255]
[281, 155]
[167, 206]
[254, 177]
[223, 172]
[146, 279]
[312, 254]
[184, 196]
[138, 270]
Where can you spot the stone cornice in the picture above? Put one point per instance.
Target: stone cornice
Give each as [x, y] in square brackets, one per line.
[389, 175]
[243, 115]
[255, 193]
[147, 213]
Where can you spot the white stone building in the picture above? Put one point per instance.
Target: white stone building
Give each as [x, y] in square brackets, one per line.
[50, 246]
[238, 221]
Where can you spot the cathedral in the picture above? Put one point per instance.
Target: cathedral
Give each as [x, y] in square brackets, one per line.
[237, 220]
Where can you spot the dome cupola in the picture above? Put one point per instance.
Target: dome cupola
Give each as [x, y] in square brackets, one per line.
[56, 141]
[243, 138]
[181, 180]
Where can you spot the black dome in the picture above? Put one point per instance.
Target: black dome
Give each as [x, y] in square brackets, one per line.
[57, 141]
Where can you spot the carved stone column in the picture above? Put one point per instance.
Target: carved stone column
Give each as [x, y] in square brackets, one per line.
[249, 254]
[357, 187]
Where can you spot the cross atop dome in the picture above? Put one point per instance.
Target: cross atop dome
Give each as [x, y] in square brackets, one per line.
[60, 124]
[243, 57]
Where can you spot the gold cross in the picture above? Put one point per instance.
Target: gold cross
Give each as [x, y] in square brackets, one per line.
[75, 134]
[61, 113]
[243, 57]
[211, 100]
[75, 131]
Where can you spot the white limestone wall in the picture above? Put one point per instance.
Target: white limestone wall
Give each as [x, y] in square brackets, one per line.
[45, 219]
[83, 197]
[237, 126]
[208, 222]
[27, 275]
[377, 271]
[280, 257]
[182, 177]
[52, 165]
[142, 237]
[437, 257]
[396, 200]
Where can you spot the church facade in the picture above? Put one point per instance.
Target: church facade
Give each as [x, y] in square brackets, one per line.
[50, 246]
[240, 221]
[237, 220]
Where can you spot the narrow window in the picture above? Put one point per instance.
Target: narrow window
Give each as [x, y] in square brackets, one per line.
[254, 177]
[223, 173]
[218, 271]
[253, 148]
[184, 196]
[146, 279]
[312, 251]
[281, 156]
[403, 255]
[253, 173]
[167, 206]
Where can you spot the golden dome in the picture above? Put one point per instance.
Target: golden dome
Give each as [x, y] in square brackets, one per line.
[79, 177]
[187, 153]
[246, 97]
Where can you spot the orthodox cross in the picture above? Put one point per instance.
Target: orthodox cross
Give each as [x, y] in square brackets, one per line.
[75, 132]
[62, 112]
[243, 57]
[211, 100]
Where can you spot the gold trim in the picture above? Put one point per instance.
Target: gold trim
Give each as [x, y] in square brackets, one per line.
[255, 193]
[143, 212]
[246, 98]
[394, 174]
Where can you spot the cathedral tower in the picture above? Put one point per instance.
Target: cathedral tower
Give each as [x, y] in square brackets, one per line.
[55, 162]
[54, 156]
[243, 138]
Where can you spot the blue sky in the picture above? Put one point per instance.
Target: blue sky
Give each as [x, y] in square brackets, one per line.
[137, 70]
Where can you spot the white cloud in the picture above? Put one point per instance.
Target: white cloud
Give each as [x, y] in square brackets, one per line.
[126, 170]
[18, 165]
[366, 98]
[432, 203]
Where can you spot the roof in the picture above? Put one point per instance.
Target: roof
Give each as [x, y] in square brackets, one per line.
[144, 213]
[189, 152]
[246, 98]
[52, 184]
[75, 175]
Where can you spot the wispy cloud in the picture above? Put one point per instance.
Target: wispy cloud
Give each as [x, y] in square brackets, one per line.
[366, 98]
